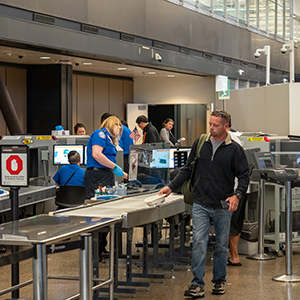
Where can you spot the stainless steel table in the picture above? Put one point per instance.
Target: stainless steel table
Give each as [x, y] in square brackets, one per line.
[132, 209]
[43, 229]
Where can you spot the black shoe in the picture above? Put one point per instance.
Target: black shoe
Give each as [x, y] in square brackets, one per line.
[195, 291]
[219, 288]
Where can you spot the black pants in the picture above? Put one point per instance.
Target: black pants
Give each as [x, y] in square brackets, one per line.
[92, 179]
[95, 177]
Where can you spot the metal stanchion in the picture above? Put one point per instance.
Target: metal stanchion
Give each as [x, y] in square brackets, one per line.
[111, 261]
[288, 276]
[40, 272]
[261, 255]
[86, 270]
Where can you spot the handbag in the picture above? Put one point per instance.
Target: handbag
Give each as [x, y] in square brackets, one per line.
[187, 189]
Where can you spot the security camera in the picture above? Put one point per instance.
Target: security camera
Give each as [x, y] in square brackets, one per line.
[256, 54]
[20, 56]
[76, 64]
[283, 51]
[158, 57]
[241, 72]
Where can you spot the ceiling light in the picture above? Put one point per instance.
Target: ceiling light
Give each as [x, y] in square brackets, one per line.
[122, 69]
[87, 63]
[170, 76]
[151, 73]
[45, 57]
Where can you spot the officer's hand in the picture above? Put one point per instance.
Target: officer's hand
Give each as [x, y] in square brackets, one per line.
[165, 190]
[118, 171]
[125, 176]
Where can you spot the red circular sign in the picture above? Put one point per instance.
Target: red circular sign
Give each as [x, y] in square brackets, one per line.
[14, 165]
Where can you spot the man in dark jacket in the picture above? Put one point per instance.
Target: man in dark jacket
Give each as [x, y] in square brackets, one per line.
[221, 160]
[150, 133]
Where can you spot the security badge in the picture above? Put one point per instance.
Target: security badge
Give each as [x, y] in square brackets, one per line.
[102, 135]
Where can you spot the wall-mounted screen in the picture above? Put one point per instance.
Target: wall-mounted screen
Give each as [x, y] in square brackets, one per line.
[60, 153]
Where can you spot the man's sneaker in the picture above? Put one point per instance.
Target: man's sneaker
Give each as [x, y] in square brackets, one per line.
[219, 288]
[194, 291]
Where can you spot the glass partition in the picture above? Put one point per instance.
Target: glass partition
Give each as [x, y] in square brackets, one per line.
[151, 165]
[253, 13]
[242, 11]
[263, 15]
[231, 9]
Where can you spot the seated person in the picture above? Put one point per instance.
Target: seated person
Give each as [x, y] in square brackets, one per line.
[70, 174]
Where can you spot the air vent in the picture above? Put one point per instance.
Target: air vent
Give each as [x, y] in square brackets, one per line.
[273, 71]
[243, 63]
[207, 55]
[127, 37]
[259, 68]
[157, 44]
[89, 29]
[184, 50]
[227, 60]
[43, 19]
[142, 107]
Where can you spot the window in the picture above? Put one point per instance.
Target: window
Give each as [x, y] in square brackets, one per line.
[263, 15]
[253, 13]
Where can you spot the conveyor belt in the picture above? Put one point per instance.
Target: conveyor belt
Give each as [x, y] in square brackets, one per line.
[29, 196]
[133, 210]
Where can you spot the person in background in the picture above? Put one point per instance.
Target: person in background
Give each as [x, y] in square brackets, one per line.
[166, 134]
[70, 174]
[150, 133]
[125, 142]
[105, 116]
[79, 129]
[238, 216]
[225, 160]
[101, 162]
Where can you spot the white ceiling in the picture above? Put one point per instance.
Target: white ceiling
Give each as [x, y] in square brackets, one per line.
[31, 57]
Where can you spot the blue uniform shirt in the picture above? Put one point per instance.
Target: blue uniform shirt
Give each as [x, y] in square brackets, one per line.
[100, 137]
[125, 140]
[65, 172]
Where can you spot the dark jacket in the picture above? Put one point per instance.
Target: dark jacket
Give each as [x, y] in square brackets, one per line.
[213, 178]
[152, 135]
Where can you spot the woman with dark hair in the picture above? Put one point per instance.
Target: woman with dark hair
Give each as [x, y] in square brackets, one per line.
[165, 134]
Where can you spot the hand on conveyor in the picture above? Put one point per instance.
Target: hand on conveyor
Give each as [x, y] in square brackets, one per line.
[165, 190]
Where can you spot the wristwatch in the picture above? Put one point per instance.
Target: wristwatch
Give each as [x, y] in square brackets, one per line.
[239, 195]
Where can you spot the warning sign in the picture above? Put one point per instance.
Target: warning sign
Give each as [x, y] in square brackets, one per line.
[14, 166]
[133, 165]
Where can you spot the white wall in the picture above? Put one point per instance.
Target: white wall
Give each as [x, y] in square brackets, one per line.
[178, 90]
[294, 108]
[263, 109]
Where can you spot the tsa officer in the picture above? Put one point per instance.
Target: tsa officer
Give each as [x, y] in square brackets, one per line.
[101, 156]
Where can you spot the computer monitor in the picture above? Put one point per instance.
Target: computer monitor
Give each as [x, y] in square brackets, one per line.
[264, 160]
[60, 153]
[160, 158]
[85, 155]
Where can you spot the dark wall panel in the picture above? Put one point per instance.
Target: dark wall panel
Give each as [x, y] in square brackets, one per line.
[43, 98]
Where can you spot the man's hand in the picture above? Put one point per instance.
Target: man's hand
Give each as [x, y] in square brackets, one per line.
[165, 190]
[233, 203]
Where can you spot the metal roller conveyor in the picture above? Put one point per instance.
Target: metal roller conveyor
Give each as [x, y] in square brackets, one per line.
[28, 196]
[133, 210]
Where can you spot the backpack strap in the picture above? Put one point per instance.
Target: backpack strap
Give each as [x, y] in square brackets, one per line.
[201, 141]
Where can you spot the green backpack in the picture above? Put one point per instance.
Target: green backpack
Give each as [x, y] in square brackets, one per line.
[187, 188]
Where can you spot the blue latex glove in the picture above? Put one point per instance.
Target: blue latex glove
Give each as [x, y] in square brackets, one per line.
[118, 171]
[59, 127]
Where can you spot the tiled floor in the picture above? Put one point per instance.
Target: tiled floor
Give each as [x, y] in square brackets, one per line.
[251, 281]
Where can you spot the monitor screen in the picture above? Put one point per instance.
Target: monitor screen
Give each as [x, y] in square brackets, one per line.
[178, 157]
[160, 158]
[85, 155]
[264, 160]
[60, 153]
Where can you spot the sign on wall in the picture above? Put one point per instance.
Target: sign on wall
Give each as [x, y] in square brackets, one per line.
[14, 166]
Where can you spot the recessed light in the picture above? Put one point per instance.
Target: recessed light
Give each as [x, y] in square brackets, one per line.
[87, 63]
[122, 69]
[144, 47]
[45, 57]
[170, 76]
[151, 73]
